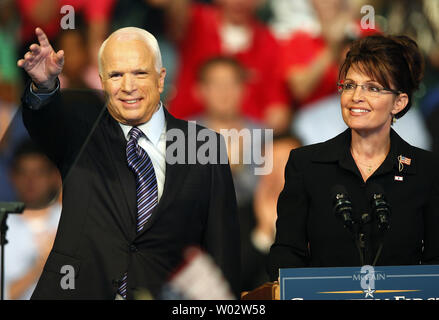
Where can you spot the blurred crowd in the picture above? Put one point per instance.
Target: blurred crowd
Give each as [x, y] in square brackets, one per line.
[231, 64]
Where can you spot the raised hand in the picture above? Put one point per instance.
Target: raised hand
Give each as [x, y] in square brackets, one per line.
[42, 63]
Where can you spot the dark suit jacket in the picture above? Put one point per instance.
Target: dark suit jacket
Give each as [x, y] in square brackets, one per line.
[97, 230]
[432, 120]
[310, 235]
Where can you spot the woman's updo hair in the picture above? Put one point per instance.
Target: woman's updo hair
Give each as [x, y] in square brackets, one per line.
[393, 61]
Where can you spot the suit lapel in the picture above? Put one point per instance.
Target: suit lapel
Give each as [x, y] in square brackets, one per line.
[117, 153]
[175, 173]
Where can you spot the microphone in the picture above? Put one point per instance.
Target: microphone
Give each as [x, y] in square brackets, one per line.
[380, 206]
[5, 209]
[381, 209]
[342, 205]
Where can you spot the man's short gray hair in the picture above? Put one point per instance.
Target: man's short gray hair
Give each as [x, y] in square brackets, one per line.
[133, 33]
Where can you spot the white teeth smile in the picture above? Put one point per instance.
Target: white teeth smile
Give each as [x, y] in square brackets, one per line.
[359, 110]
[131, 101]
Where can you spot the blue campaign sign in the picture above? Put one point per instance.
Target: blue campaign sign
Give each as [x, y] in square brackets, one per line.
[367, 282]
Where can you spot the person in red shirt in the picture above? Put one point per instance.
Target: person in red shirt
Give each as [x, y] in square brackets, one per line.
[311, 61]
[47, 15]
[228, 27]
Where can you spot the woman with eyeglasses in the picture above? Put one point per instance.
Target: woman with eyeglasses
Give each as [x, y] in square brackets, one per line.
[365, 196]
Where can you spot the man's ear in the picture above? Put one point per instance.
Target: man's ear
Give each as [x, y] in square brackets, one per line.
[102, 81]
[400, 103]
[162, 76]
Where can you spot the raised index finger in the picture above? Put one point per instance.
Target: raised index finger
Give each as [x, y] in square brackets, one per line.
[42, 38]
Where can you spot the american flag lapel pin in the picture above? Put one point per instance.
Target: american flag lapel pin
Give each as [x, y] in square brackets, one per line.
[406, 160]
[402, 160]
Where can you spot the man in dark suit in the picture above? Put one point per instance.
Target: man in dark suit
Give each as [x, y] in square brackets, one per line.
[128, 213]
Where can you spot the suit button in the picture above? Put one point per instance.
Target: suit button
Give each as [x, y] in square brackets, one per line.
[133, 248]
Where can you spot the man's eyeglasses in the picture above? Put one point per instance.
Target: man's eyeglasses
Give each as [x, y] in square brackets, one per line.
[369, 88]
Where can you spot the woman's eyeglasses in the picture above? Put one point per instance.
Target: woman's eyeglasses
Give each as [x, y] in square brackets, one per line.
[369, 89]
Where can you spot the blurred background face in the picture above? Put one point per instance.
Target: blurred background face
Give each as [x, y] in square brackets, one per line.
[74, 46]
[327, 10]
[35, 180]
[221, 91]
[130, 80]
[239, 11]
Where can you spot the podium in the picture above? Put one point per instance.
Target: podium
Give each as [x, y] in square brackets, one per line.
[268, 291]
[419, 282]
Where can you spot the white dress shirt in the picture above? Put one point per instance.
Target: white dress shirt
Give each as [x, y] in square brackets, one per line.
[154, 143]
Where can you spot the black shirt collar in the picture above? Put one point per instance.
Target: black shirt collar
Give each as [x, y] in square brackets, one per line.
[337, 149]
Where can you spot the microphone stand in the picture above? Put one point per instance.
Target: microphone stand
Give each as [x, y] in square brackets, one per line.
[342, 208]
[382, 211]
[5, 209]
[362, 242]
[358, 242]
[364, 221]
[3, 241]
[380, 247]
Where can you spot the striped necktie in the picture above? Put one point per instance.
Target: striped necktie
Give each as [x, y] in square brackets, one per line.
[146, 186]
